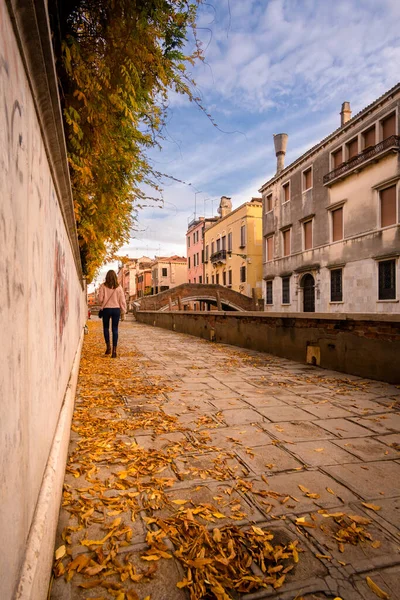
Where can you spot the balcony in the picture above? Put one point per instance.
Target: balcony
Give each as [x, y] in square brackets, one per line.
[218, 257]
[370, 154]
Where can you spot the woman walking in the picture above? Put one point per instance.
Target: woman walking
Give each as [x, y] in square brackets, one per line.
[112, 300]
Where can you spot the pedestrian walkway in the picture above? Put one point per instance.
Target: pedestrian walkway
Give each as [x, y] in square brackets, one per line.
[205, 471]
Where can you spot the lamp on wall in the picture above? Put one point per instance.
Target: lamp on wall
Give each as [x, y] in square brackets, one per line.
[244, 256]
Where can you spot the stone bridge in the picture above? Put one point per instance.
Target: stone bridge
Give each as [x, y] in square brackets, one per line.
[179, 297]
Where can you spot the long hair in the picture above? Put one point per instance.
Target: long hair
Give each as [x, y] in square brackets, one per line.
[111, 280]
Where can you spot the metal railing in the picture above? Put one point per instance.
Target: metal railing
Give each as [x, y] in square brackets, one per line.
[219, 256]
[391, 142]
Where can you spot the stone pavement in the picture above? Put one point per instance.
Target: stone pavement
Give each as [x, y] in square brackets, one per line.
[179, 428]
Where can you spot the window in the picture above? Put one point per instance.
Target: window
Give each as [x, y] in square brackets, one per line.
[188, 262]
[368, 137]
[286, 242]
[223, 277]
[268, 203]
[188, 241]
[337, 224]
[352, 148]
[194, 238]
[268, 295]
[198, 259]
[218, 244]
[337, 158]
[212, 278]
[286, 192]
[230, 277]
[194, 280]
[194, 260]
[223, 242]
[336, 285]
[243, 236]
[164, 288]
[388, 206]
[307, 179]
[270, 248]
[387, 280]
[217, 278]
[242, 274]
[285, 290]
[388, 126]
[307, 229]
[207, 279]
[164, 272]
[207, 253]
[212, 248]
[230, 242]
[200, 279]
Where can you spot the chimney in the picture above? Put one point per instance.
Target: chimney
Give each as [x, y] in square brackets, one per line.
[345, 113]
[225, 206]
[280, 141]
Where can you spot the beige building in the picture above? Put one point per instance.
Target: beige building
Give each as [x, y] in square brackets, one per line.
[168, 272]
[331, 218]
[233, 247]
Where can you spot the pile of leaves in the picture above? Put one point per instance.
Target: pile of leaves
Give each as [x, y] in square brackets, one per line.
[227, 559]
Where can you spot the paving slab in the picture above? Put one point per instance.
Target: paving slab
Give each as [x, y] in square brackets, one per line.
[368, 449]
[298, 431]
[244, 435]
[380, 423]
[284, 413]
[374, 480]
[344, 428]
[292, 500]
[268, 459]
[243, 415]
[388, 580]
[326, 410]
[320, 453]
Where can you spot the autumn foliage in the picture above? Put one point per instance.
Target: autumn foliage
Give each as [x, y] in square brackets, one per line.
[116, 61]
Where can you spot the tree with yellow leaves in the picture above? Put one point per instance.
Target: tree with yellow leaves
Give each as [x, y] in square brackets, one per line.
[116, 61]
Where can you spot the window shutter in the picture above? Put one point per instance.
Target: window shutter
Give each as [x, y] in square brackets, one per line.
[352, 148]
[337, 158]
[337, 224]
[389, 126]
[307, 179]
[270, 248]
[369, 137]
[286, 242]
[269, 202]
[308, 243]
[388, 206]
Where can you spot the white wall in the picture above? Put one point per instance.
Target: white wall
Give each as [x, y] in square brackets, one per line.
[42, 308]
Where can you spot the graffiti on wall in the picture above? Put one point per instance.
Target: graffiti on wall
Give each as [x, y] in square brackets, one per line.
[61, 288]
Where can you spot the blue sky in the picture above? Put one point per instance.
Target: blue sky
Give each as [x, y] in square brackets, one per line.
[270, 66]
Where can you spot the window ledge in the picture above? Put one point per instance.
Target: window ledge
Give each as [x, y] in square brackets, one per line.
[336, 302]
[385, 301]
[285, 303]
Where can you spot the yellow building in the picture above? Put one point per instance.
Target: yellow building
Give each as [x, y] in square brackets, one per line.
[233, 247]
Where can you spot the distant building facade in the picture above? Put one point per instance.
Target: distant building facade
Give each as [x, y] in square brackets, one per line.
[233, 247]
[195, 248]
[331, 218]
[168, 272]
[128, 273]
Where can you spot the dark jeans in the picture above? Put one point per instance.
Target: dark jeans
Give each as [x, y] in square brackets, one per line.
[113, 314]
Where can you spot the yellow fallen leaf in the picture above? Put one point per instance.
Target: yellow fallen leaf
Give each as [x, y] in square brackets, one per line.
[151, 557]
[330, 491]
[303, 489]
[319, 449]
[377, 590]
[60, 552]
[371, 506]
[219, 515]
[180, 502]
[257, 530]
[87, 585]
[217, 535]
